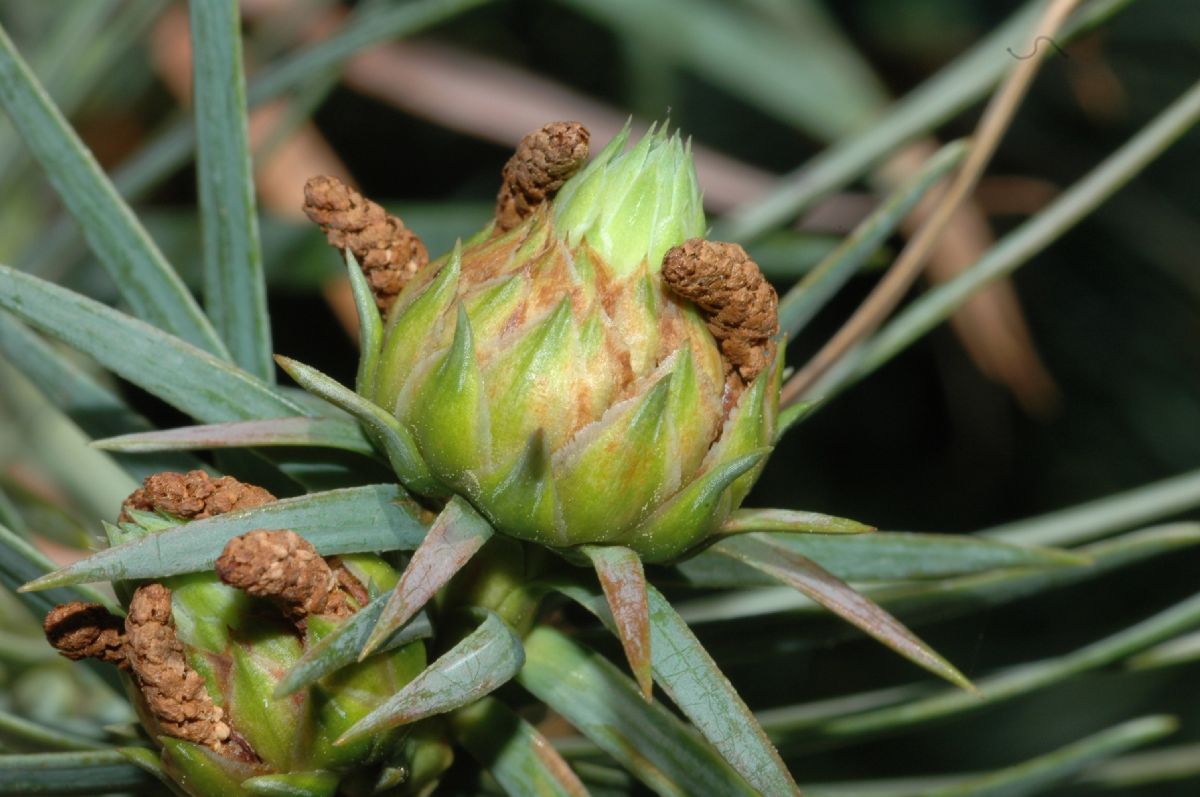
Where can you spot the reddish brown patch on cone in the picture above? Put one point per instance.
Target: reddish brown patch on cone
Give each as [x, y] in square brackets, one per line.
[286, 568]
[739, 306]
[194, 495]
[174, 693]
[544, 160]
[388, 252]
[81, 630]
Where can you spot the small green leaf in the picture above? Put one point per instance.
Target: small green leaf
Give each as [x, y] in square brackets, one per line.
[448, 416]
[235, 292]
[686, 514]
[20, 733]
[269, 724]
[370, 325]
[95, 409]
[749, 429]
[512, 751]
[530, 368]
[189, 379]
[293, 784]
[607, 708]
[301, 431]
[790, 520]
[392, 437]
[206, 771]
[586, 472]
[779, 561]
[524, 497]
[341, 646]
[455, 536]
[481, 663]
[624, 584]
[21, 562]
[374, 518]
[1095, 519]
[84, 773]
[413, 321]
[145, 279]
[879, 556]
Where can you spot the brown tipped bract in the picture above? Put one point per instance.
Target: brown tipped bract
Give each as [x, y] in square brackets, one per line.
[544, 160]
[81, 630]
[194, 495]
[284, 567]
[738, 304]
[388, 252]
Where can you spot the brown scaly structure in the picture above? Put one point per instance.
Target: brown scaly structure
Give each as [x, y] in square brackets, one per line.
[388, 252]
[145, 642]
[739, 306]
[81, 630]
[174, 693]
[544, 160]
[194, 495]
[284, 567]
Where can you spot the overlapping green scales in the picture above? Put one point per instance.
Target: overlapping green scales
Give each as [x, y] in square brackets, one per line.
[410, 328]
[448, 413]
[588, 475]
[573, 399]
[750, 427]
[523, 500]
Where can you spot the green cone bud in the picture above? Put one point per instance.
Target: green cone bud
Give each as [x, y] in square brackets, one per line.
[242, 647]
[547, 374]
[633, 206]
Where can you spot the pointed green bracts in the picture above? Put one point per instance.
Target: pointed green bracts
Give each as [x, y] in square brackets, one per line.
[549, 376]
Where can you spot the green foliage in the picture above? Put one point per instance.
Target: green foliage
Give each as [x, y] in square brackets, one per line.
[736, 636]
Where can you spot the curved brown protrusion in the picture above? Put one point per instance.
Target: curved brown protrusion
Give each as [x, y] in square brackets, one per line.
[284, 567]
[81, 630]
[194, 495]
[544, 160]
[388, 252]
[738, 304]
[174, 693]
